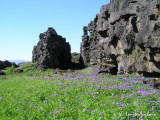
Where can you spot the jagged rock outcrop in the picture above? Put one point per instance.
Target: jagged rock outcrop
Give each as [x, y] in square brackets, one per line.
[126, 33]
[52, 51]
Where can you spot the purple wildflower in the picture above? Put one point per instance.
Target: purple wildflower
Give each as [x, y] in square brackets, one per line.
[101, 113]
[93, 111]
[94, 93]
[141, 118]
[21, 102]
[98, 85]
[31, 105]
[55, 112]
[129, 96]
[116, 103]
[0, 97]
[122, 105]
[123, 96]
[85, 109]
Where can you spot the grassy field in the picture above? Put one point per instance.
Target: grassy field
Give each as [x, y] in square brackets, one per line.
[77, 96]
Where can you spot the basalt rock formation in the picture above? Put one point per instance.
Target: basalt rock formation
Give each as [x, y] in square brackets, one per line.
[125, 34]
[52, 51]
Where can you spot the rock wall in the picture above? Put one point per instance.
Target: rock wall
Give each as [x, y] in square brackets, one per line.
[52, 51]
[126, 33]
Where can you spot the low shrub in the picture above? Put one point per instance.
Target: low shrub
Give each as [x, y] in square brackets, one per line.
[28, 65]
[10, 70]
[32, 72]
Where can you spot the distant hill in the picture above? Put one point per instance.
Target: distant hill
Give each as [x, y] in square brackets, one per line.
[17, 61]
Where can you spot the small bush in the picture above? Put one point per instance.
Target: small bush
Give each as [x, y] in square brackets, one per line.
[136, 52]
[32, 72]
[26, 66]
[75, 59]
[10, 70]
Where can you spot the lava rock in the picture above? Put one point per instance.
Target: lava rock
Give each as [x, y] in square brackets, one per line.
[52, 51]
[35, 66]
[18, 70]
[153, 83]
[104, 68]
[2, 73]
[126, 33]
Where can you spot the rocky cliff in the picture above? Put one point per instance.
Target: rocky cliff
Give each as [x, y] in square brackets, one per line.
[52, 51]
[125, 34]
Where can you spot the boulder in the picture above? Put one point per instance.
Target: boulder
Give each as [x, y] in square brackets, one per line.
[35, 66]
[62, 71]
[153, 83]
[18, 70]
[104, 68]
[52, 51]
[126, 33]
[2, 73]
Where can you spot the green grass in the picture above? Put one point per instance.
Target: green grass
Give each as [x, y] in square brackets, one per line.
[76, 96]
[86, 70]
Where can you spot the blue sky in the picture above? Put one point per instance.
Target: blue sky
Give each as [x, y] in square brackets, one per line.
[23, 20]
